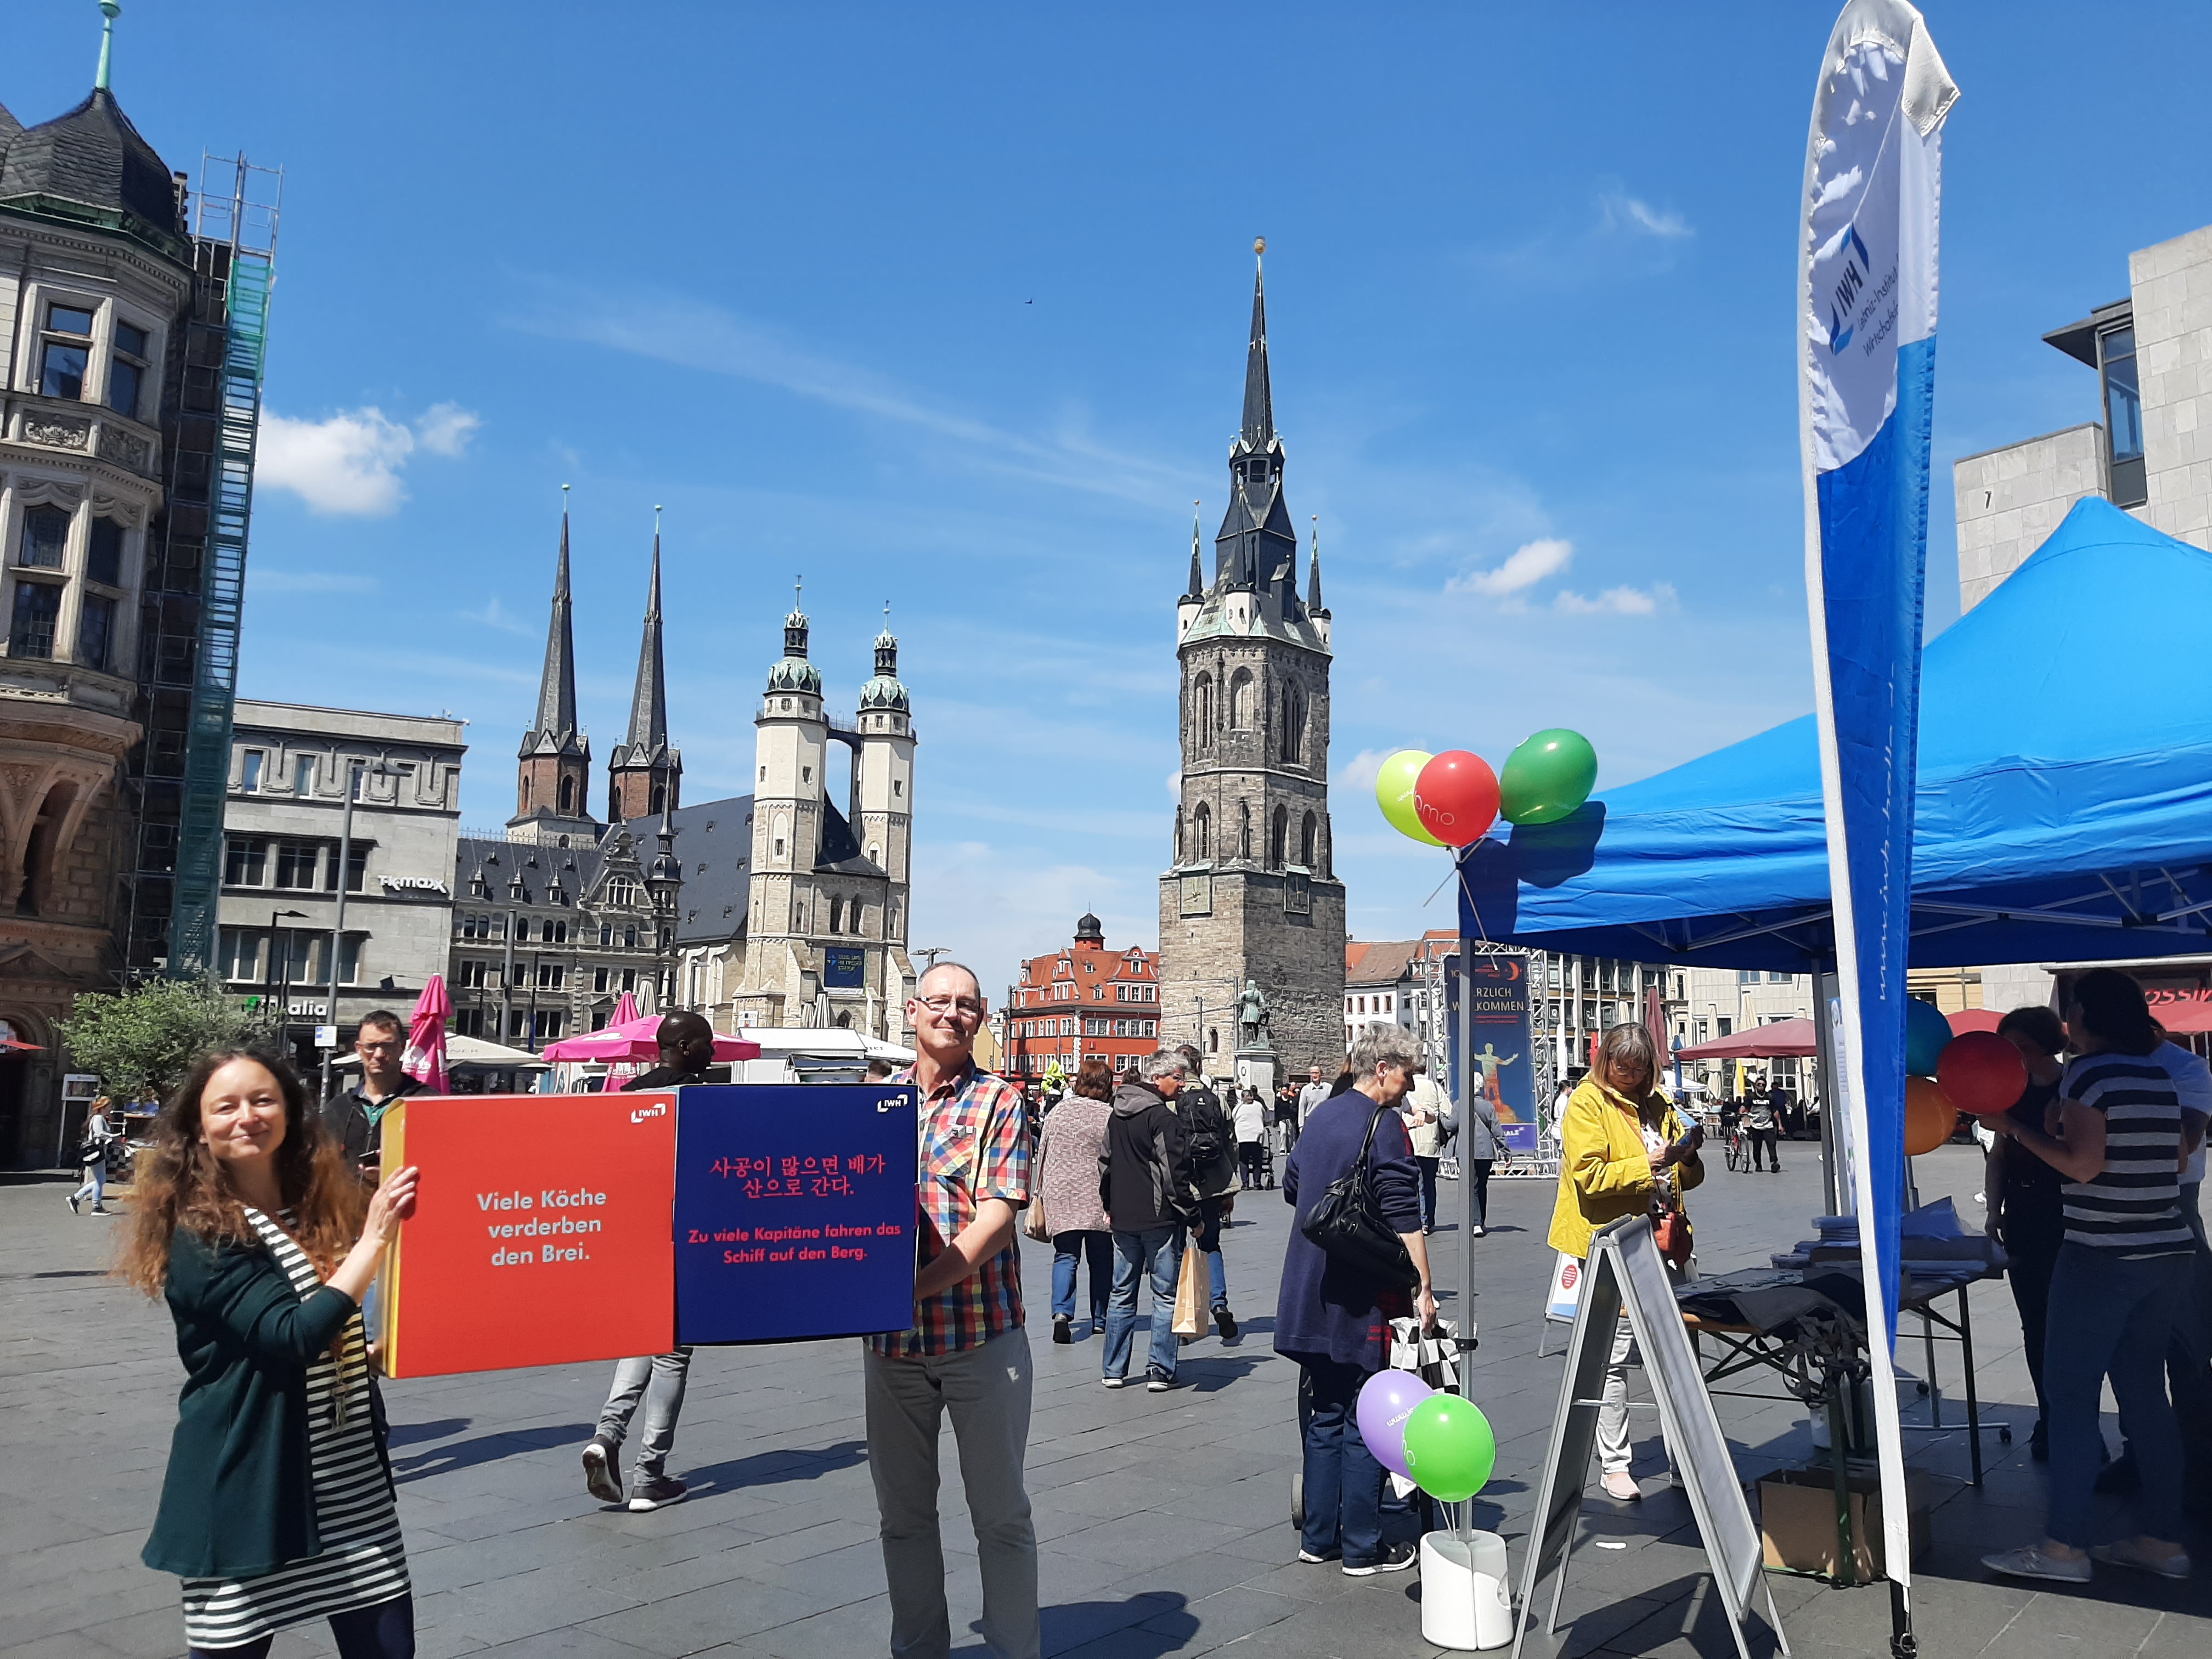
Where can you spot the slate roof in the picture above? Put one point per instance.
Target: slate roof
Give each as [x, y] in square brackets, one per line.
[1381, 962]
[715, 845]
[576, 870]
[10, 127]
[91, 157]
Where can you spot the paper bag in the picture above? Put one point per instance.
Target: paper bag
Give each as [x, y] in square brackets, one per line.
[1193, 1315]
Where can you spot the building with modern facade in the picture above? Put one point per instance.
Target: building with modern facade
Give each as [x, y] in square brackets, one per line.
[1252, 894]
[287, 836]
[130, 355]
[2148, 449]
[1083, 1000]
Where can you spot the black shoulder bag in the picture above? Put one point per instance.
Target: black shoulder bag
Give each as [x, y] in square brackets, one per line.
[1347, 1222]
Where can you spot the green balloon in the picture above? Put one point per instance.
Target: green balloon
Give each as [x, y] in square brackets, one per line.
[1394, 793]
[1547, 778]
[1449, 1448]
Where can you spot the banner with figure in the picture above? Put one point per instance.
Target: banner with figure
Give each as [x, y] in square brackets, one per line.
[1867, 299]
[1498, 1066]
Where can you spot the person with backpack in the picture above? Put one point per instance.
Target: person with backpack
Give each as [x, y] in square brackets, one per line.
[1144, 1182]
[92, 1158]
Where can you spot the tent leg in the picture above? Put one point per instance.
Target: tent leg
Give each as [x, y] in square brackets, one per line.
[1824, 1056]
[1903, 1644]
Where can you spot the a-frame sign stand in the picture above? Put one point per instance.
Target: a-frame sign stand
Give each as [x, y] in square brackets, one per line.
[1626, 1272]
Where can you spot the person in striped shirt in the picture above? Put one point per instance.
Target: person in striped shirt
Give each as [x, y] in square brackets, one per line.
[2121, 1138]
[967, 1352]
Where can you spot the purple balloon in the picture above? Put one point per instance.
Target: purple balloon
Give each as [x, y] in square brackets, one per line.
[1386, 1401]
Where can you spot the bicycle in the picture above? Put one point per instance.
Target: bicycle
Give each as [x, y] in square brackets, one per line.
[1739, 1148]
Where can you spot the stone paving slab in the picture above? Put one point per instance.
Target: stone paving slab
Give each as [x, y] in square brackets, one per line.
[1162, 1521]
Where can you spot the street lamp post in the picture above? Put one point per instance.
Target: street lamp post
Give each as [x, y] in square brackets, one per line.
[280, 981]
[355, 770]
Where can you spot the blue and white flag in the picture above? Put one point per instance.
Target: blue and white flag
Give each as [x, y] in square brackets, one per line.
[1867, 294]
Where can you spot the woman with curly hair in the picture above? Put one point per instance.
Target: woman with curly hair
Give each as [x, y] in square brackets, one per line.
[279, 1505]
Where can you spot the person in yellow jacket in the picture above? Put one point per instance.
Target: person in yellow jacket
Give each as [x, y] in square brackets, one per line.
[1623, 1148]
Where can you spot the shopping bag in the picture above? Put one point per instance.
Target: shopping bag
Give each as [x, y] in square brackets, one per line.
[1193, 1315]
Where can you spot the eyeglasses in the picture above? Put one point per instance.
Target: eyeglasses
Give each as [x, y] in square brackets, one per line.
[379, 1048]
[967, 1007]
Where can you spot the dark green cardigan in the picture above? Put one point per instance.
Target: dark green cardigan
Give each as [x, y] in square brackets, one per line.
[239, 1499]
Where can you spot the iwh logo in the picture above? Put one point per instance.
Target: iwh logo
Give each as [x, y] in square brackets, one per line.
[660, 1109]
[1851, 284]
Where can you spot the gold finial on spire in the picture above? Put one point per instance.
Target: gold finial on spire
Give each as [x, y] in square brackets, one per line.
[1259, 245]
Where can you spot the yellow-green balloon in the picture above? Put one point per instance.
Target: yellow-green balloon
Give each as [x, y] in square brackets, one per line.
[1547, 777]
[1449, 1448]
[1394, 793]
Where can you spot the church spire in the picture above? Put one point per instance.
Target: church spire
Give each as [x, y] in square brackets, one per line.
[1197, 589]
[1313, 575]
[1259, 429]
[648, 703]
[557, 689]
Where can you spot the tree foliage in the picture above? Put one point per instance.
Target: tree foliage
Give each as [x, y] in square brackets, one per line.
[148, 1036]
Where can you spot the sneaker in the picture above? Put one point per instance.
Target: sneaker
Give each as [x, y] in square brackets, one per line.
[1157, 1380]
[655, 1491]
[1227, 1320]
[1313, 1560]
[2029, 1561]
[603, 1470]
[2128, 1552]
[1114, 1381]
[1396, 1558]
[1475, 1232]
[1620, 1486]
[1063, 1328]
[72, 1204]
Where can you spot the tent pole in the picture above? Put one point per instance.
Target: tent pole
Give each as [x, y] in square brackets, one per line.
[1463, 1338]
[1832, 1191]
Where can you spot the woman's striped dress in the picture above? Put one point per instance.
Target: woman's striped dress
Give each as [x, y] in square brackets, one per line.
[362, 1562]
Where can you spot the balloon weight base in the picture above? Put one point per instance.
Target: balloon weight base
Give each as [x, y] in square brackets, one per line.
[1464, 1604]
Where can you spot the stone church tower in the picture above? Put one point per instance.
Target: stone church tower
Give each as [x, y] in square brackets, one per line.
[1253, 893]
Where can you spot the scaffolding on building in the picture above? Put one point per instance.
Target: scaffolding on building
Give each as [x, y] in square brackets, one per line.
[195, 592]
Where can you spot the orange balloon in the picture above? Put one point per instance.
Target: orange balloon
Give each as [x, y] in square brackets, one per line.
[1929, 1116]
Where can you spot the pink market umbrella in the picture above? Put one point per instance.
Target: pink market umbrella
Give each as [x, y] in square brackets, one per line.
[425, 1060]
[625, 1014]
[638, 1039]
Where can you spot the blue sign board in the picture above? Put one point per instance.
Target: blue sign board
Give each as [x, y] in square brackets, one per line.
[844, 967]
[1501, 1066]
[795, 1211]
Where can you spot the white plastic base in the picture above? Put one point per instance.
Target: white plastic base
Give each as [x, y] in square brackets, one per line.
[1464, 1609]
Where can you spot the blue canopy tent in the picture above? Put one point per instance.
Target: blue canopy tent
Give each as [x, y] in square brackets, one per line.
[2063, 811]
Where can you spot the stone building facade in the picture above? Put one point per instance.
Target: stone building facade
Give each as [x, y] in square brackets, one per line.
[1253, 893]
[94, 239]
[284, 827]
[1080, 1002]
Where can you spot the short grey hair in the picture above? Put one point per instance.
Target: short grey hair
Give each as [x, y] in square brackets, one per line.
[1164, 1062]
[948, 968]
[1384, 1046]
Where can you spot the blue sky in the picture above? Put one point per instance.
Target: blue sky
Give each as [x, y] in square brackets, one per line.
[946, 307]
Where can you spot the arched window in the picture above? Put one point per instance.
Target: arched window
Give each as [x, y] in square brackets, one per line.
[526, 791]
[629, 938]
[1201, 712]
[1294, 723]
[837, 915]
[660, 797]
[607, 934]
[568, 794]
[1244, 829]
[1307, 836]
[1201, 831]
[1278, 831]
[614, 801]
[1240, 700]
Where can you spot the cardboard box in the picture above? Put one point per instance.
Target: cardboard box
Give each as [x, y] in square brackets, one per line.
[1797, 1521]
[540, 1236]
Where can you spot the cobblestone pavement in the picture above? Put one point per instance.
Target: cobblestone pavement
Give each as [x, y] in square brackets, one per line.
[1163, 1520]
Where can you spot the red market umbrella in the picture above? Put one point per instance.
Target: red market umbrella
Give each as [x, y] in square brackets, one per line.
[2185, 1016]
[1973, 1019]
[1784, 1036]
[425, 1060]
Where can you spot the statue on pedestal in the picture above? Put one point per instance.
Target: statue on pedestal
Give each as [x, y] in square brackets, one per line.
[1253, 1026]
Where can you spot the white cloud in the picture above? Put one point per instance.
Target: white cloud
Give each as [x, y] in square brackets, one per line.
[1526, 566]
[1358, 774]
[1619, 210]
[990, 907]
[446, 429]
[494, 615]
[1619, 601]
[351, 463]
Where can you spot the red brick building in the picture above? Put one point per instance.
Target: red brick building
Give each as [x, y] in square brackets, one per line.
[1084, 999]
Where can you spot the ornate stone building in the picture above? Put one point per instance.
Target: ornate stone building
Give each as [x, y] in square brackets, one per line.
[1253, 894]
[98, 287]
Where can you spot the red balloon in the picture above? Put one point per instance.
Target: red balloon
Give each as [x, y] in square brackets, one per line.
[1982, 1073]
[1456, 797]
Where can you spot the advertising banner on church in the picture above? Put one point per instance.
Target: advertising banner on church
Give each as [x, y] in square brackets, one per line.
[1498, 1065]
[794, 1211]
[534, 1209]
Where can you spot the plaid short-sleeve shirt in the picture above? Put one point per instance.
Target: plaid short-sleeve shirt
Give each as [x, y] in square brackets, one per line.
[975, 1145]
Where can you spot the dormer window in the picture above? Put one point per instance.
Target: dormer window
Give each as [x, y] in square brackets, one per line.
[67, 352]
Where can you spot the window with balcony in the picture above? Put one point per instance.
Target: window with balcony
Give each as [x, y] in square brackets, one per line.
[46, 538]
[65, 352]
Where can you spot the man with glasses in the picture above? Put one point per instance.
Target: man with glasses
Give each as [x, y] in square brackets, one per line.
[967, 1352]
[355, 1115]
